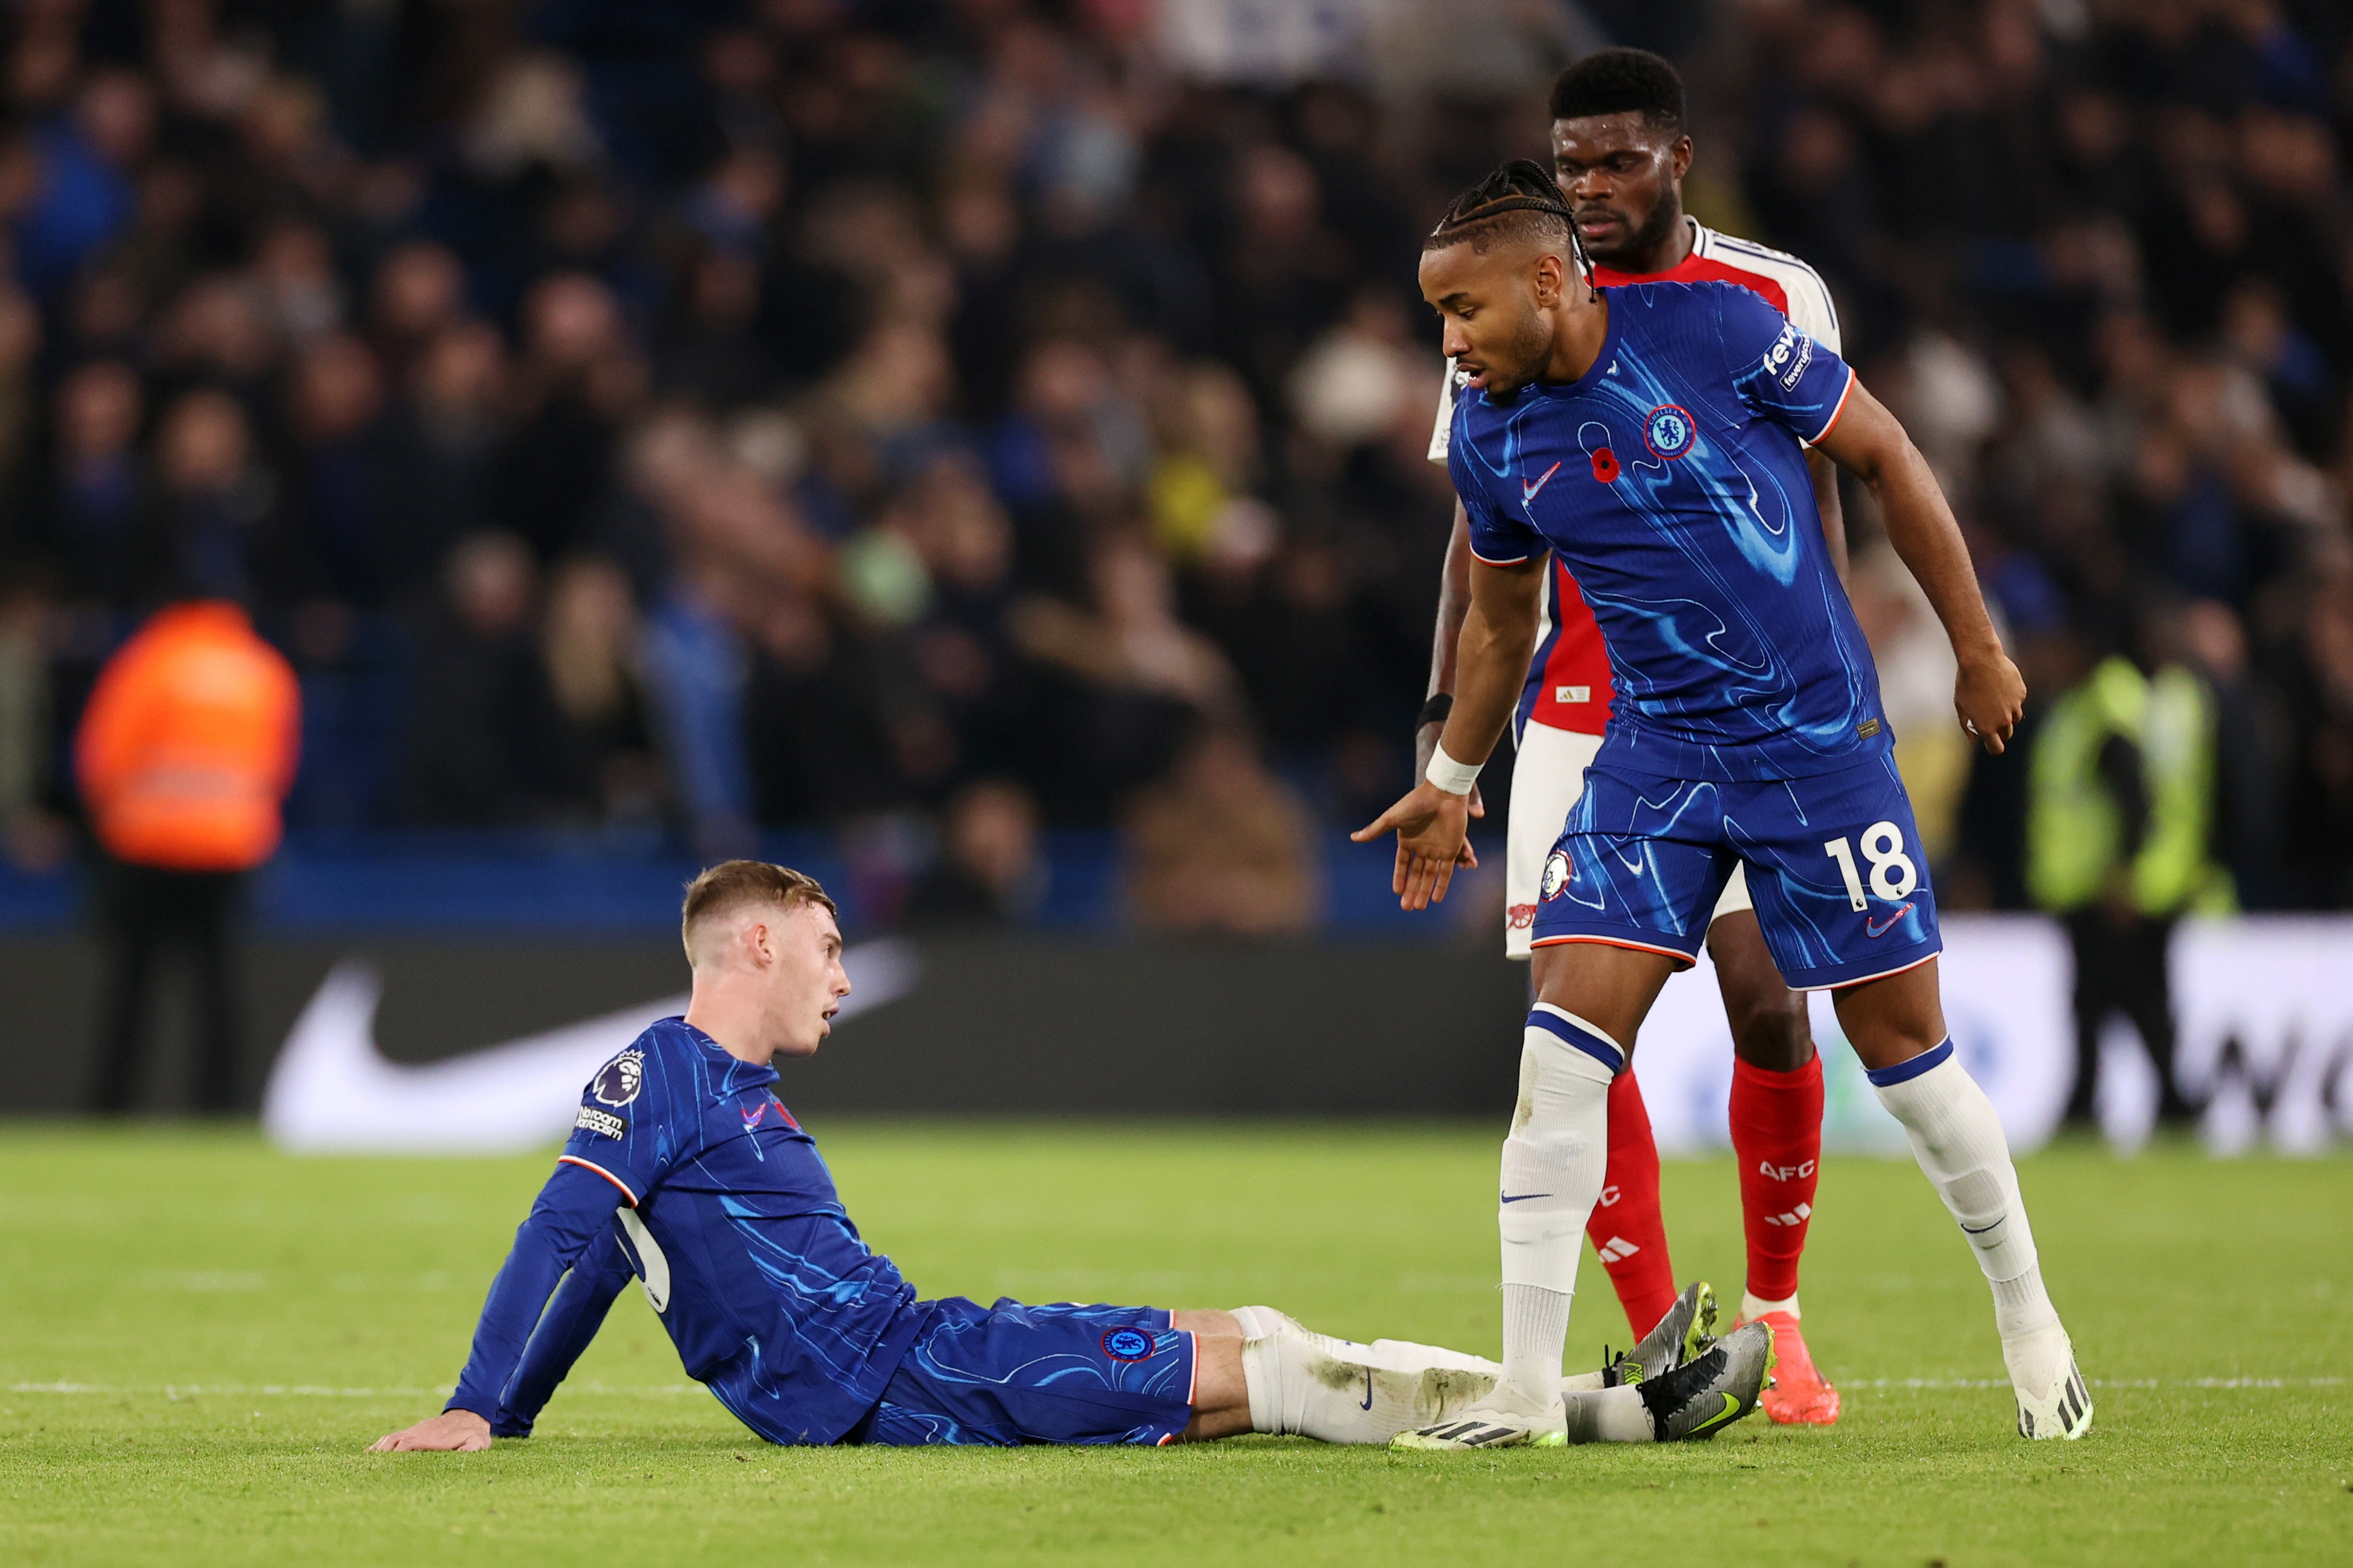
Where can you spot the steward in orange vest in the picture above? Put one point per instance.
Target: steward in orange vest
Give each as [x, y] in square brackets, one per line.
[189, 745]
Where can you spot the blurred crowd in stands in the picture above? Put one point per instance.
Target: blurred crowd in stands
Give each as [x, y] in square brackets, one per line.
[940, 419]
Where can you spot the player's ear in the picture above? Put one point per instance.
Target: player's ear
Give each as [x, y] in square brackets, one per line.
[1550, 274]
[1679, 158]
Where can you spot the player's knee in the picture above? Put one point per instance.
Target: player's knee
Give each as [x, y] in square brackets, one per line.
[1893, 1020]
[1771, 1030]
[1209, 1322]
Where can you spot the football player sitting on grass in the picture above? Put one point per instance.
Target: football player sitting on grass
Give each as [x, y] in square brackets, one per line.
[685, 1171]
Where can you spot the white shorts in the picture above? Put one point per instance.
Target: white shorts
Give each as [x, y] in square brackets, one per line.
[1548, 775]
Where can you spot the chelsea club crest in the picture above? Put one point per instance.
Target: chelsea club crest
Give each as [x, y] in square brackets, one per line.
[1668, 431]
[1127, 1345]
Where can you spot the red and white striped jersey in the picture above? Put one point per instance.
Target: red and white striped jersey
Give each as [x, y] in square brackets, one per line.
[1568, 682]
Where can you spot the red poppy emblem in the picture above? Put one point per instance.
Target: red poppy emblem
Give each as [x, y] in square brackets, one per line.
[1605, 465]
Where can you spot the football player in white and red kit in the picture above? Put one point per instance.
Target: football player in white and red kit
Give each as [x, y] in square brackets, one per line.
[1620, 154]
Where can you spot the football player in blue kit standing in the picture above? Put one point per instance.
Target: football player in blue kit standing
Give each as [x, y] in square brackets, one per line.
[685, 1171]
[1655, 436]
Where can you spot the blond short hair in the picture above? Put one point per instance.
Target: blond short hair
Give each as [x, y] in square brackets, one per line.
[732, 885]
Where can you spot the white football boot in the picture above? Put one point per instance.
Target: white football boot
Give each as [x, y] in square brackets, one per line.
[2064, 1410]
[1499, 1423]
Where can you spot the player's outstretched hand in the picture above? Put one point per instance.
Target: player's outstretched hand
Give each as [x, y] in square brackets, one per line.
[451, 1431]
[1433, 837]
[1991, 696]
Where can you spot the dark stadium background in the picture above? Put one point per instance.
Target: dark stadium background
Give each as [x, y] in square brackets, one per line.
[973, 450]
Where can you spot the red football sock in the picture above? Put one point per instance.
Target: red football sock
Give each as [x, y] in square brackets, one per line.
[1776, 1132]
[1625, 1225]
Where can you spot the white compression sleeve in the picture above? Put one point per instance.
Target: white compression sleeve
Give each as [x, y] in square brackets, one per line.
[1957, 1139]
[1553, 1164]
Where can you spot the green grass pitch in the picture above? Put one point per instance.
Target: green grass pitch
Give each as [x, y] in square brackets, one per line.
[198, 1337]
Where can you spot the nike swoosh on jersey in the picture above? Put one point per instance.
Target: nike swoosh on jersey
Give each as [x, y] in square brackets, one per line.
[1521, 1198]
[1528, 491]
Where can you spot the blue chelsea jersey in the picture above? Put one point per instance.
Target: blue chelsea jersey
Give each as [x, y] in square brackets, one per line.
[1672, 480]
[684, 1169]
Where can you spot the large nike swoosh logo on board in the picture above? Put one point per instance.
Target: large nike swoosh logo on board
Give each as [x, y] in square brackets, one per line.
[331, 1089]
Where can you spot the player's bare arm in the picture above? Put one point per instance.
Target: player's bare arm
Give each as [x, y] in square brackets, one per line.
[1825, 475]
[1453, 605]
[1498, 636]
[1870, 443]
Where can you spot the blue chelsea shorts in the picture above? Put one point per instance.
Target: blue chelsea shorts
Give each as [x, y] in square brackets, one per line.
[1012, 1373]
[1834, 867]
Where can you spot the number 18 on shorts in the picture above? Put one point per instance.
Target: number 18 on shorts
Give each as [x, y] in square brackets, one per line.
[1841, 893]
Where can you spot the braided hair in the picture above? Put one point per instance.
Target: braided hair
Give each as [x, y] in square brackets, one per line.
[1517, 201]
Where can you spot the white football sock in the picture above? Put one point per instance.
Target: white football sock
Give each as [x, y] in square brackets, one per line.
[1536, 1327]
[1396, 1355]
[1957, 1139]
[2034, 1346]
[1755, 1307]
[1262, 1381]
[1552, 1165]
[1406, 1355]
[1258, 1323]
[1299, 1386]
[1609, 1416]
[1340, 1391]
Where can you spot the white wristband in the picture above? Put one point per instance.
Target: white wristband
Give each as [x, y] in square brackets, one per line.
[1453, 777]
